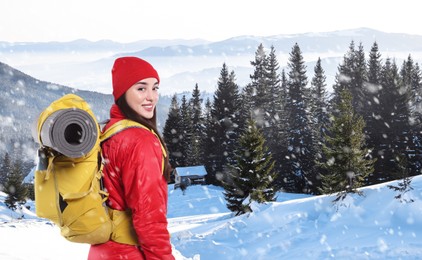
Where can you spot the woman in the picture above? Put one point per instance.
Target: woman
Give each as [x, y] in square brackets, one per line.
[133, 173]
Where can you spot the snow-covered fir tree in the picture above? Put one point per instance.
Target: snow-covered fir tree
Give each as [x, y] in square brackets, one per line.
[185, 135]
[319, 118]
[14, 186]
[347, 163]
[172, 133]
[223, 128]
[5, 170]
[411, 82]
[198, 127]
[298, 173]
[251, 177]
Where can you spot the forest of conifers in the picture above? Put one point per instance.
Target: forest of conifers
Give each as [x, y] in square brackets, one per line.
[365, 131]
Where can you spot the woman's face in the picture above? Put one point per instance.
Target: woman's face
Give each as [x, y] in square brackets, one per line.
[142, 97]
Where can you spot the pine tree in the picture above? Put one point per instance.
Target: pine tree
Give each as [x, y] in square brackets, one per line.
[319, 117]
[417, 117]
[351, 75]
[259, 83]
[319, 100]
[262, 100]
[374, 67]
[185, 137]
[411, 137]
[15, 187]
[389, 125]
[208, 141]
[375, 94]
[273, 103]
[252, 176]
[207, 110]
[5, 170]
[343, 75]
[223, 128]
[197, 127]
[247, 105]
[274, 106]
[416, 96]
[414, 85]
[411, 79]
[346, 162]
[172, 132]
[280, 152]
[359, 80]
[372, 91]
[300, 144]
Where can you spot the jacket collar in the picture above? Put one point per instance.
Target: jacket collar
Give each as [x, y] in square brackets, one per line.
[115, 113]
[115, 116]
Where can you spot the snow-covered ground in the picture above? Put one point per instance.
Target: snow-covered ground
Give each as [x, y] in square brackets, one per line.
[373, 226]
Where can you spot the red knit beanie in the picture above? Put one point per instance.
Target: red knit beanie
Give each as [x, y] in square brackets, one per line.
[127, 71]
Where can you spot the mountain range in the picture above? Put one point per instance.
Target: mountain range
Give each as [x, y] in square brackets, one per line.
[318, 42]
[181, 64]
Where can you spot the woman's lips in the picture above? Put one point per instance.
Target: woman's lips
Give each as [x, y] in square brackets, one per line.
[148, 107]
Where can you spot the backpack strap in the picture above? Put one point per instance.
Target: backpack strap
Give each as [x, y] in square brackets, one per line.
[119, 126]
[124, 124]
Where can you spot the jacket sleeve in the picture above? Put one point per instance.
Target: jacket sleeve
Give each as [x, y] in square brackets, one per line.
[145, 191]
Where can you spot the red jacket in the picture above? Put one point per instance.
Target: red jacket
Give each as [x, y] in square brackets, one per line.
[133, 177]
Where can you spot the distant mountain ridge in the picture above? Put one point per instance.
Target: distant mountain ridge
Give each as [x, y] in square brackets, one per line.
[86, 45]
[309, 42]
[183, 63]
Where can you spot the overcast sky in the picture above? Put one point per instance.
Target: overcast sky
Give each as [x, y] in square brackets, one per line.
[133, 20]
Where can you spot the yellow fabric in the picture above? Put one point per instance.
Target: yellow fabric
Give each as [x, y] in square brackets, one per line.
[124, 232]
[76, 183]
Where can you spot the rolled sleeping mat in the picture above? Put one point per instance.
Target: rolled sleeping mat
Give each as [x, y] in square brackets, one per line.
[71, 132]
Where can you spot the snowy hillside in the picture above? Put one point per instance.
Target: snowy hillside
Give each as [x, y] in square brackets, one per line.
[373, 226]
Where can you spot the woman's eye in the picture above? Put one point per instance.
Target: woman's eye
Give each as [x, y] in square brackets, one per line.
[141, 89]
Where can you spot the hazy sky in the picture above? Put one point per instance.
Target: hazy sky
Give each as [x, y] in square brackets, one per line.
[132, 20]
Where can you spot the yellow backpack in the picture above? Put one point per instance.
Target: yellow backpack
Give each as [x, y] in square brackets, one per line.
[68, 188]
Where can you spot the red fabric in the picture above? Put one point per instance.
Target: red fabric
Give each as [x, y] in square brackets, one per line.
[127, 71]
[113, 251]
[133, 177]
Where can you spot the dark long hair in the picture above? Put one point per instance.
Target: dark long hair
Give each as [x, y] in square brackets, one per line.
[150, 123]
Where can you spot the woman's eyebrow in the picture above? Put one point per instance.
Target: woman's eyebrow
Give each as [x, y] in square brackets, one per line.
[146, 83]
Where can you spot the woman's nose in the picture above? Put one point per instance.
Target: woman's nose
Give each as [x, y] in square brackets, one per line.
[149, 95]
